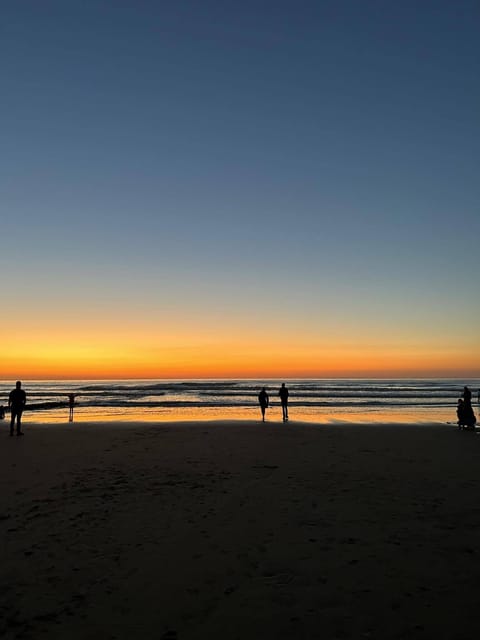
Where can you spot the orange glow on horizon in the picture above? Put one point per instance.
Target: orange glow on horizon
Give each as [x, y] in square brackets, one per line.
[117, 356]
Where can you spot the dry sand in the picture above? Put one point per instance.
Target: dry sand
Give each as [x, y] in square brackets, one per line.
[239, 531]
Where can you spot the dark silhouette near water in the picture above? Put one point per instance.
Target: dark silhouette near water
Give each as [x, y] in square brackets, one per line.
[264, 402]
[460, 413]
[71, 403]
[16, 402]
[283, 393]
[465, 415]
[2, 412]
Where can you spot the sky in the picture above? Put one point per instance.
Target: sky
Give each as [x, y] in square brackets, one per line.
[239, 189]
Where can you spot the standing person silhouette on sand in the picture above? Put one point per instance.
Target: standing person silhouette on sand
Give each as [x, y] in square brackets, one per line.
[283, 393]
[264, 401]
[16, 402]
[71, 403]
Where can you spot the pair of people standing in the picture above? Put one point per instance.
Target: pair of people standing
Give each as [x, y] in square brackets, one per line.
[264, 401]
[16, 402]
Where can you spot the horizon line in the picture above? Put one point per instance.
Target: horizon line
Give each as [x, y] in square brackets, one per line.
[170, 378]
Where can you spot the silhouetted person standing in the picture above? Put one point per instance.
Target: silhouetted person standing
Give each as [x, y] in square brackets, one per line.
[16, 402]
[71, 403]
[469, 418]
[283, 393]
[263, 400]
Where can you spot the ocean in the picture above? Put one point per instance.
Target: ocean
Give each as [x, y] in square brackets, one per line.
[324, 401]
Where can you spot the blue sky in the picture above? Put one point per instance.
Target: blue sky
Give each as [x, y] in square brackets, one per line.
[238, 155]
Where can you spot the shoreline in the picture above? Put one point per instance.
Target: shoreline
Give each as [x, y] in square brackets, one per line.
[319, 401]
[240, 422]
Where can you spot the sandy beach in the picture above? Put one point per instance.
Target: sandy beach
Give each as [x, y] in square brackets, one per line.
[239, 530]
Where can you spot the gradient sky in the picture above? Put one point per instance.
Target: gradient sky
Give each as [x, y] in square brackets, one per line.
[239, 188]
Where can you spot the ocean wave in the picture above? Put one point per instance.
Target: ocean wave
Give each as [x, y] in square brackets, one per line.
[230, 404]
[331, 394]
